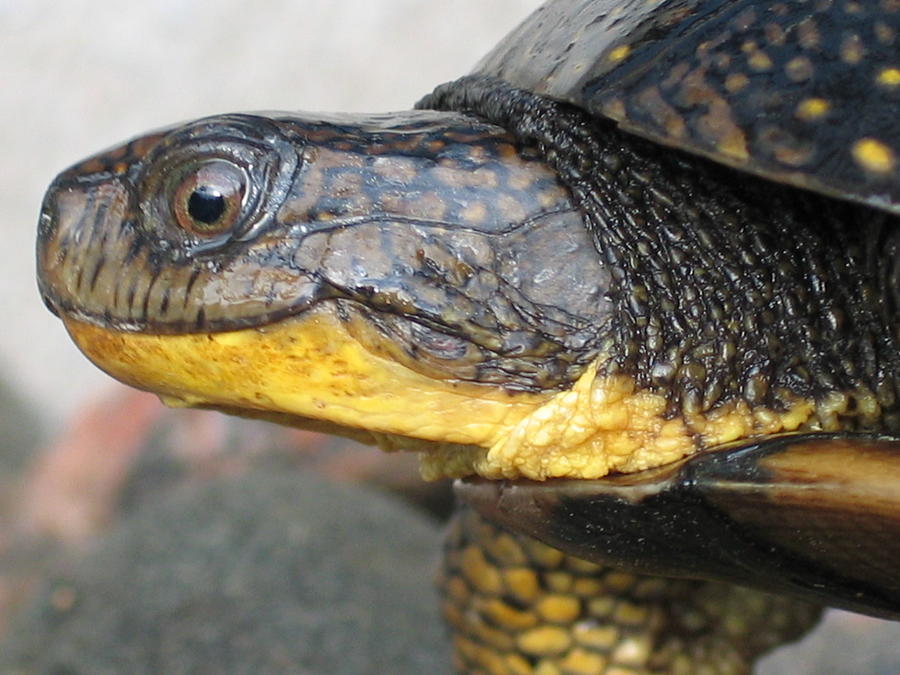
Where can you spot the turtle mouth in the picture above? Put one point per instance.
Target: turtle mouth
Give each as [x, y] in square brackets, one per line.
[308, 371]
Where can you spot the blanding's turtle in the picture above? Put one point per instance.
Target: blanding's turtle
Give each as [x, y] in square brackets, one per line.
[634, 280]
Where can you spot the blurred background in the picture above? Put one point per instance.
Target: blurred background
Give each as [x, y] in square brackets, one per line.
[85, 74]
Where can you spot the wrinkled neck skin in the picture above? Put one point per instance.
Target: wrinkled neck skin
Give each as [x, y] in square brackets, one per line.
[432, 236]
[726, 287]
[884, 254]
[525, 289]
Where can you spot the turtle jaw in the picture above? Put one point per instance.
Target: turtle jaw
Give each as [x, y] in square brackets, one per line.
[307, 370]
[317, 370]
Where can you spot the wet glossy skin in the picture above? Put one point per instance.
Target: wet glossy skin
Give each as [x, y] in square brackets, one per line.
[391, 219]
[451, 265]
[385, 277]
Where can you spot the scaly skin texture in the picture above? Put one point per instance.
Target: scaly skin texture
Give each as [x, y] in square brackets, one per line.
[725, 288]
[588, 305]
[522, 289]
[518, 606]
[444, 248]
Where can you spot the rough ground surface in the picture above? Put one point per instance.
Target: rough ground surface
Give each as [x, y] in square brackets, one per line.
[148, 540]
[268, 572]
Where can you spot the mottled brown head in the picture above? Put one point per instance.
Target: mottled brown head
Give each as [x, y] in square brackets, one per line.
[241, 221]
[390, 273]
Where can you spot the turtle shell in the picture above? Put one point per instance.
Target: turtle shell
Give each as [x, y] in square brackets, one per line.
[803, 92]
[814, 515]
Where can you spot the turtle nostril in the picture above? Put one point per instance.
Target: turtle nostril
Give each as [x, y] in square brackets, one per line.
[79, 244]
[47, 226]
[50, 305]
[46, 219]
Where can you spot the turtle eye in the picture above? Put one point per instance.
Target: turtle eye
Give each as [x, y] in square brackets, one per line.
[208, 199]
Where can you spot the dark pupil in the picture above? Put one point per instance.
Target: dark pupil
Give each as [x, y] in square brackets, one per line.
[206, 205]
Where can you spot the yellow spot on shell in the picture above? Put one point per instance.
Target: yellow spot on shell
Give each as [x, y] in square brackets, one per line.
[889, 77]
[775, 34]
[759, 60]
[812, 109]
[736, 81]
[799, 68]
[733, 144]
[873, 155]
[852, 50]
[615, 109]
[884, 33]
[808, 33]
[619, 53]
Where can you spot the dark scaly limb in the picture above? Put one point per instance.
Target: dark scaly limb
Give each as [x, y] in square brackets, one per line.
[516, 605]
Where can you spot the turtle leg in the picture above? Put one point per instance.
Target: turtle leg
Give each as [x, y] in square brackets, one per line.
[516, 605]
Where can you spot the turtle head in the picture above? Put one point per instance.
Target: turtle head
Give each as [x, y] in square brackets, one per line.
[552, 301]
[416, 276]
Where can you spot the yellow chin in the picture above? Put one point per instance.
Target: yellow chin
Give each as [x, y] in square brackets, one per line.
[310, 369]
[307, 366]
